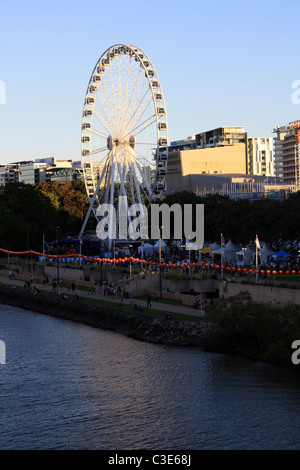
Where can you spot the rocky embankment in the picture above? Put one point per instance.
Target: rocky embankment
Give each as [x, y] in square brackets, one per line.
[136, 325]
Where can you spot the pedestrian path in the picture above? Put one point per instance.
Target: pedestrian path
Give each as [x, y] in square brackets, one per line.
[156, 305]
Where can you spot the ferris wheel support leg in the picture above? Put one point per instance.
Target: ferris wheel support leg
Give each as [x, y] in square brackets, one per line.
[92, 202]
[111, 203]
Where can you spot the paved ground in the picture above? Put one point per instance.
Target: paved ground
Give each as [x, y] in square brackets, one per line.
[185, 310]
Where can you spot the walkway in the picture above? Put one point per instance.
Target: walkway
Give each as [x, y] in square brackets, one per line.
[165, 307]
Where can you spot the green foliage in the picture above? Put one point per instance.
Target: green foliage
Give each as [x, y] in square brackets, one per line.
[241, 220]
[176, 275]
[257, 331]
[28, 212]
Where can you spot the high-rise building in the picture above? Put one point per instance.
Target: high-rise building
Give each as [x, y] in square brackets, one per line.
[286, 153]
[260, 156]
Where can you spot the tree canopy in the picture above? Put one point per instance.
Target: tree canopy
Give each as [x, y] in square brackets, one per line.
[27, 213]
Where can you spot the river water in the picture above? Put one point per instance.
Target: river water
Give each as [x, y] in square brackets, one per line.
[70, 386]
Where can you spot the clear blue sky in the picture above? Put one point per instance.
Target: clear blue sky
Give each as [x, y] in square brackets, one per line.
[219, 63]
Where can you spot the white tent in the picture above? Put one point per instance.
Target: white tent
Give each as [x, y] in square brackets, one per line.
[146, 250]
[244, 257]
[230, 250]
[215, 249]
[162, 244]
[263, 254]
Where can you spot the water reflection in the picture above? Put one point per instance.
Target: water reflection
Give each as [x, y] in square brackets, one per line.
[69, 386]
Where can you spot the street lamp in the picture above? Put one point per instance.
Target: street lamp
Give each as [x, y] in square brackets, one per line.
[159, 248]
[57, 256]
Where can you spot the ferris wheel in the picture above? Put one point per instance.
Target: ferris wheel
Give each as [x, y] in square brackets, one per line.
[124, 137]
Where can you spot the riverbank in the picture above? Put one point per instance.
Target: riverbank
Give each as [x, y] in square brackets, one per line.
[135, 324]
[243, 329]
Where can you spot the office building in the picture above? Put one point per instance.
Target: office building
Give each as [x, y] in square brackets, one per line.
[260, 156]
[286, 153]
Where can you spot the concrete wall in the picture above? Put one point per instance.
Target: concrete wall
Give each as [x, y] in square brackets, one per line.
[221, 160]
[261, 294]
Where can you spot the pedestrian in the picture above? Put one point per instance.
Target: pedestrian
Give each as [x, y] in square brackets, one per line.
[148, 300]
[73, 286]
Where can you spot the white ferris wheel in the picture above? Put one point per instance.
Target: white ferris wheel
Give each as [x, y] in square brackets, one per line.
[124, 138]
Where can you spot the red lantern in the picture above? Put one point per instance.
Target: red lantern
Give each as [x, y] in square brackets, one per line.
[287, 272]
[280, 272]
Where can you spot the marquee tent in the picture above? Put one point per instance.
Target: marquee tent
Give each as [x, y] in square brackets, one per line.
[146, 250]
[245, 257]
[264, 254]
[281, 254]
[162, 244]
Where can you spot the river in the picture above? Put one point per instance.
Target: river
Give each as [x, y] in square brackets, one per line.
[69, 386]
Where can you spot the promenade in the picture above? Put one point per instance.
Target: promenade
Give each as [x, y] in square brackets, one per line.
[85, 294]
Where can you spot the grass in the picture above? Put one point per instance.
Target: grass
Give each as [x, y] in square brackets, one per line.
[126, 306]
[161, 301]
[287, 278]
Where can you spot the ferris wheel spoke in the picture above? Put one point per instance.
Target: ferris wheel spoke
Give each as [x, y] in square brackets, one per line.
[124, 95]
[94, 152]
[142, 157]
[136, 97]
[141, 127]
[106, 108]
[124, 115]
[100, 134]
[100, 119]
[140, 112]
[103, 116]
[137, 113]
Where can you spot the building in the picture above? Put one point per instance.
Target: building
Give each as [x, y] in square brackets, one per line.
[260, 156]
[41, 170]
[224, 161]
[9, 174]
[216, 152]
[286, 153]
[222, 137]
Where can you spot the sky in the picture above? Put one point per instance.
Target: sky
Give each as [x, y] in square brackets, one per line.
[220, 63]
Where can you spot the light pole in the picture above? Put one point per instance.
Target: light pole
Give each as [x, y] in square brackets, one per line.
[57, 256]
[201, 278]
[159, 248]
